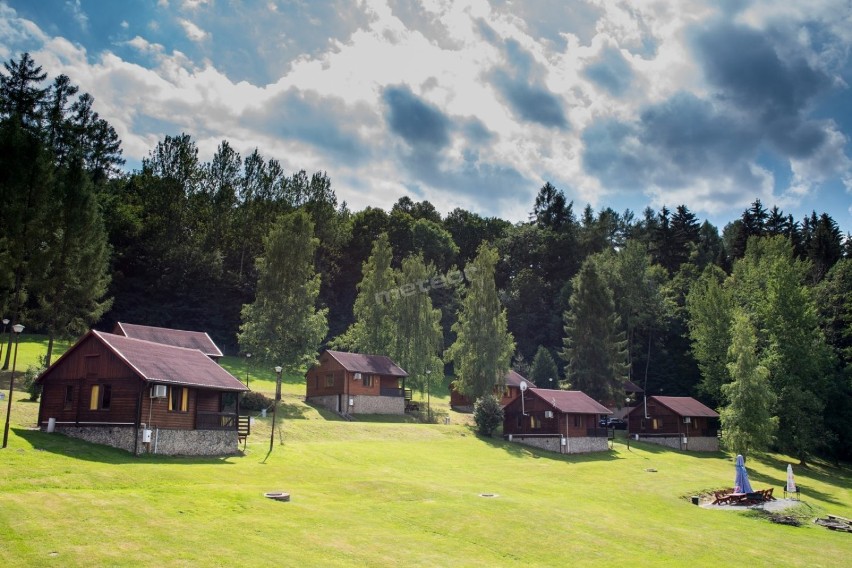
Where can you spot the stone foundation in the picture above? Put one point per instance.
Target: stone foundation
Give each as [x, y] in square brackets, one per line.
[163, 441]
[362, 404]
[693, 443]
[580, 445]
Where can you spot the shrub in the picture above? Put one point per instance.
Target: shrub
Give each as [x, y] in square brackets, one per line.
[255, 401]
[28, 382]
[487, 414]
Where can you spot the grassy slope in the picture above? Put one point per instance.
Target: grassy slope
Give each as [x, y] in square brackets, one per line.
[367, 493]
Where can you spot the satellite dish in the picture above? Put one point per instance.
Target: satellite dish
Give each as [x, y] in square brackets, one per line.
[523, 386]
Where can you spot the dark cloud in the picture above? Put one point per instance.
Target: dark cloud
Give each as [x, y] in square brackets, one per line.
[611, 71]
[671, 145]
[746, 67]
[417, 122]
[323, 122]
[521, 84]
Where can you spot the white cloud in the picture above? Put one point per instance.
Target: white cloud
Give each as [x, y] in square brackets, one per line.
[193, 32]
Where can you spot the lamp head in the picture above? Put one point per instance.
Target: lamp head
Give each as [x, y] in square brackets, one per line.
[17, 328]
[523, 386]
[278, 369]
[5, 321]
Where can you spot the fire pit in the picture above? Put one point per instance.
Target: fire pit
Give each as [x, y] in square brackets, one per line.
[277, 496]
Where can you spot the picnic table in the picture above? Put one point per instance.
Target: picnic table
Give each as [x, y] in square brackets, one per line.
[735, 498]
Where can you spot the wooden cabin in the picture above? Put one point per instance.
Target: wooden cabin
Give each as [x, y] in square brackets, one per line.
[507, 392]
[556, 420]
[354, 383]
[678, 422]
[142, 396]
[175, 337]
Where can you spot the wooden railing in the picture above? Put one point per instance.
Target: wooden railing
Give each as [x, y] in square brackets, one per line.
[396, 392]
[215, 421]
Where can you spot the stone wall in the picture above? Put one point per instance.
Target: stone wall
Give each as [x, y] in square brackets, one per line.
[694, 443]
[363, 404]
[168, 442]
[580, 445]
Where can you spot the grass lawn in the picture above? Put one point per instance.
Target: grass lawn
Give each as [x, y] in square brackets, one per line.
[373, 493]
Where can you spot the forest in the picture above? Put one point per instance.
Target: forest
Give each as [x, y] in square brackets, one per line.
[762, 305]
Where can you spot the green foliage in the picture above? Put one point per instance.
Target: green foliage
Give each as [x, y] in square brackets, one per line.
[282, 326]
[255, 401]
[710, 312]
[594, 345]
[747, 419]
[543, 371]
[483, 347]
[28, 382]
[487, 414]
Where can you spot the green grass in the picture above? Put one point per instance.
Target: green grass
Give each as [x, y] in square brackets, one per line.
[372, 493]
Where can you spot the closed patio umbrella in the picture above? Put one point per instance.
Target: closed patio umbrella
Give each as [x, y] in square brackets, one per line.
[741, 482]
[791, 483]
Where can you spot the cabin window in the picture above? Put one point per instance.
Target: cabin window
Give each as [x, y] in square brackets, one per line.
[656, 423]
[329, 380]
[520, 420]
[69, 397]
[101, 397]
[535, 422]
[577, 422]
[368, 380]
[178, 399]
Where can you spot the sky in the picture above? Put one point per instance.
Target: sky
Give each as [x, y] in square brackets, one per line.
[475, 103]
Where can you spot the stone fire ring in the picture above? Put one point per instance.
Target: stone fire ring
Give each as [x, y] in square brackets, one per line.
[277, 496]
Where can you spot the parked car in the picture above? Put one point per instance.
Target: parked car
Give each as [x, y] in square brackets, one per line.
[614, 423]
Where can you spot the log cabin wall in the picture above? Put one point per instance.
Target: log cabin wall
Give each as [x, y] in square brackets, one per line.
[92, 385]
[317, 378]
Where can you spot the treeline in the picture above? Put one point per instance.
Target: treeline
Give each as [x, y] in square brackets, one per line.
[175, 243]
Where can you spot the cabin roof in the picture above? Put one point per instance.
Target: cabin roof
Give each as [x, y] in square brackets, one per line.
[167, 364]
[513, 379]
[176, 337]
[684, 406]
[630, 386]
[570, 402]
[373, 364]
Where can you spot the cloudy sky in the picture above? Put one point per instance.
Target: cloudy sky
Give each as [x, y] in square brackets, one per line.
[476, 103]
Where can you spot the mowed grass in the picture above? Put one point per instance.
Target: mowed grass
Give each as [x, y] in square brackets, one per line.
[372, 493]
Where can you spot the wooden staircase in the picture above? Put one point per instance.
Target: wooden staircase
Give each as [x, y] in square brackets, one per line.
[243, 428]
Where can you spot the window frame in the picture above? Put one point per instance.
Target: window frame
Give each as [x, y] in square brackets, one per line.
[182, 399]
[367, 380]
[100, 398]
[329, 380]
[68, 403]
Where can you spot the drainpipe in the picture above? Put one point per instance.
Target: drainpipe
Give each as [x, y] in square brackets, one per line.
[138, 419]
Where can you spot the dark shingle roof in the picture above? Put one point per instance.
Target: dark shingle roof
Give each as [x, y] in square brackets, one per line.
[159, 363]
[513, 379]
[573, 402]
[176, 337]
[685, 406]
[374, 364]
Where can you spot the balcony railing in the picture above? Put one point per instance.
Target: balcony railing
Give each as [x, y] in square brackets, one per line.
[396, 392]
[215, 421]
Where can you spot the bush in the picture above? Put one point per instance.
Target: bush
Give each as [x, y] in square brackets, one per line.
[487, 414]
[255, 401]
[28, 382]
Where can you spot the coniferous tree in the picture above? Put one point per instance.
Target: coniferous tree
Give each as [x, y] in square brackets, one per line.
[543, 372]
[594, 346]
[483, 348]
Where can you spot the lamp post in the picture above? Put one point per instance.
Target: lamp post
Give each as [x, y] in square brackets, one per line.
[248, 357]
[550, 382]
[428, 396]
[5, 323]
[17, 328]
[275, 404]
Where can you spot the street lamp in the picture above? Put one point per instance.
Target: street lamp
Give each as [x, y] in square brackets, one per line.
[275, 405]
[17, 328]
[428, 395]
[5, 323]
[248, 356]
[550, 382]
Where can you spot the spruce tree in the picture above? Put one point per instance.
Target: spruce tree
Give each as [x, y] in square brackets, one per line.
[543, 371]
[594, 346]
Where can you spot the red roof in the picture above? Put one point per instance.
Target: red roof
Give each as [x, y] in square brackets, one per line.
[684, 406]
[373, 364]
[513, 379]
[167, 364]
[571, 402]
[175, 337]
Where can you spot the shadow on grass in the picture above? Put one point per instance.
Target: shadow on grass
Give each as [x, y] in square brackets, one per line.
[839, 477]
[67, 446]
[519, 450]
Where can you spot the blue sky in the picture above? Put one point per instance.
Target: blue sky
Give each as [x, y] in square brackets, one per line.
[477, 103]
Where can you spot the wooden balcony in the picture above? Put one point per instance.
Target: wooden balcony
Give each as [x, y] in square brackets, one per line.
[406, 393]
[216, 421]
